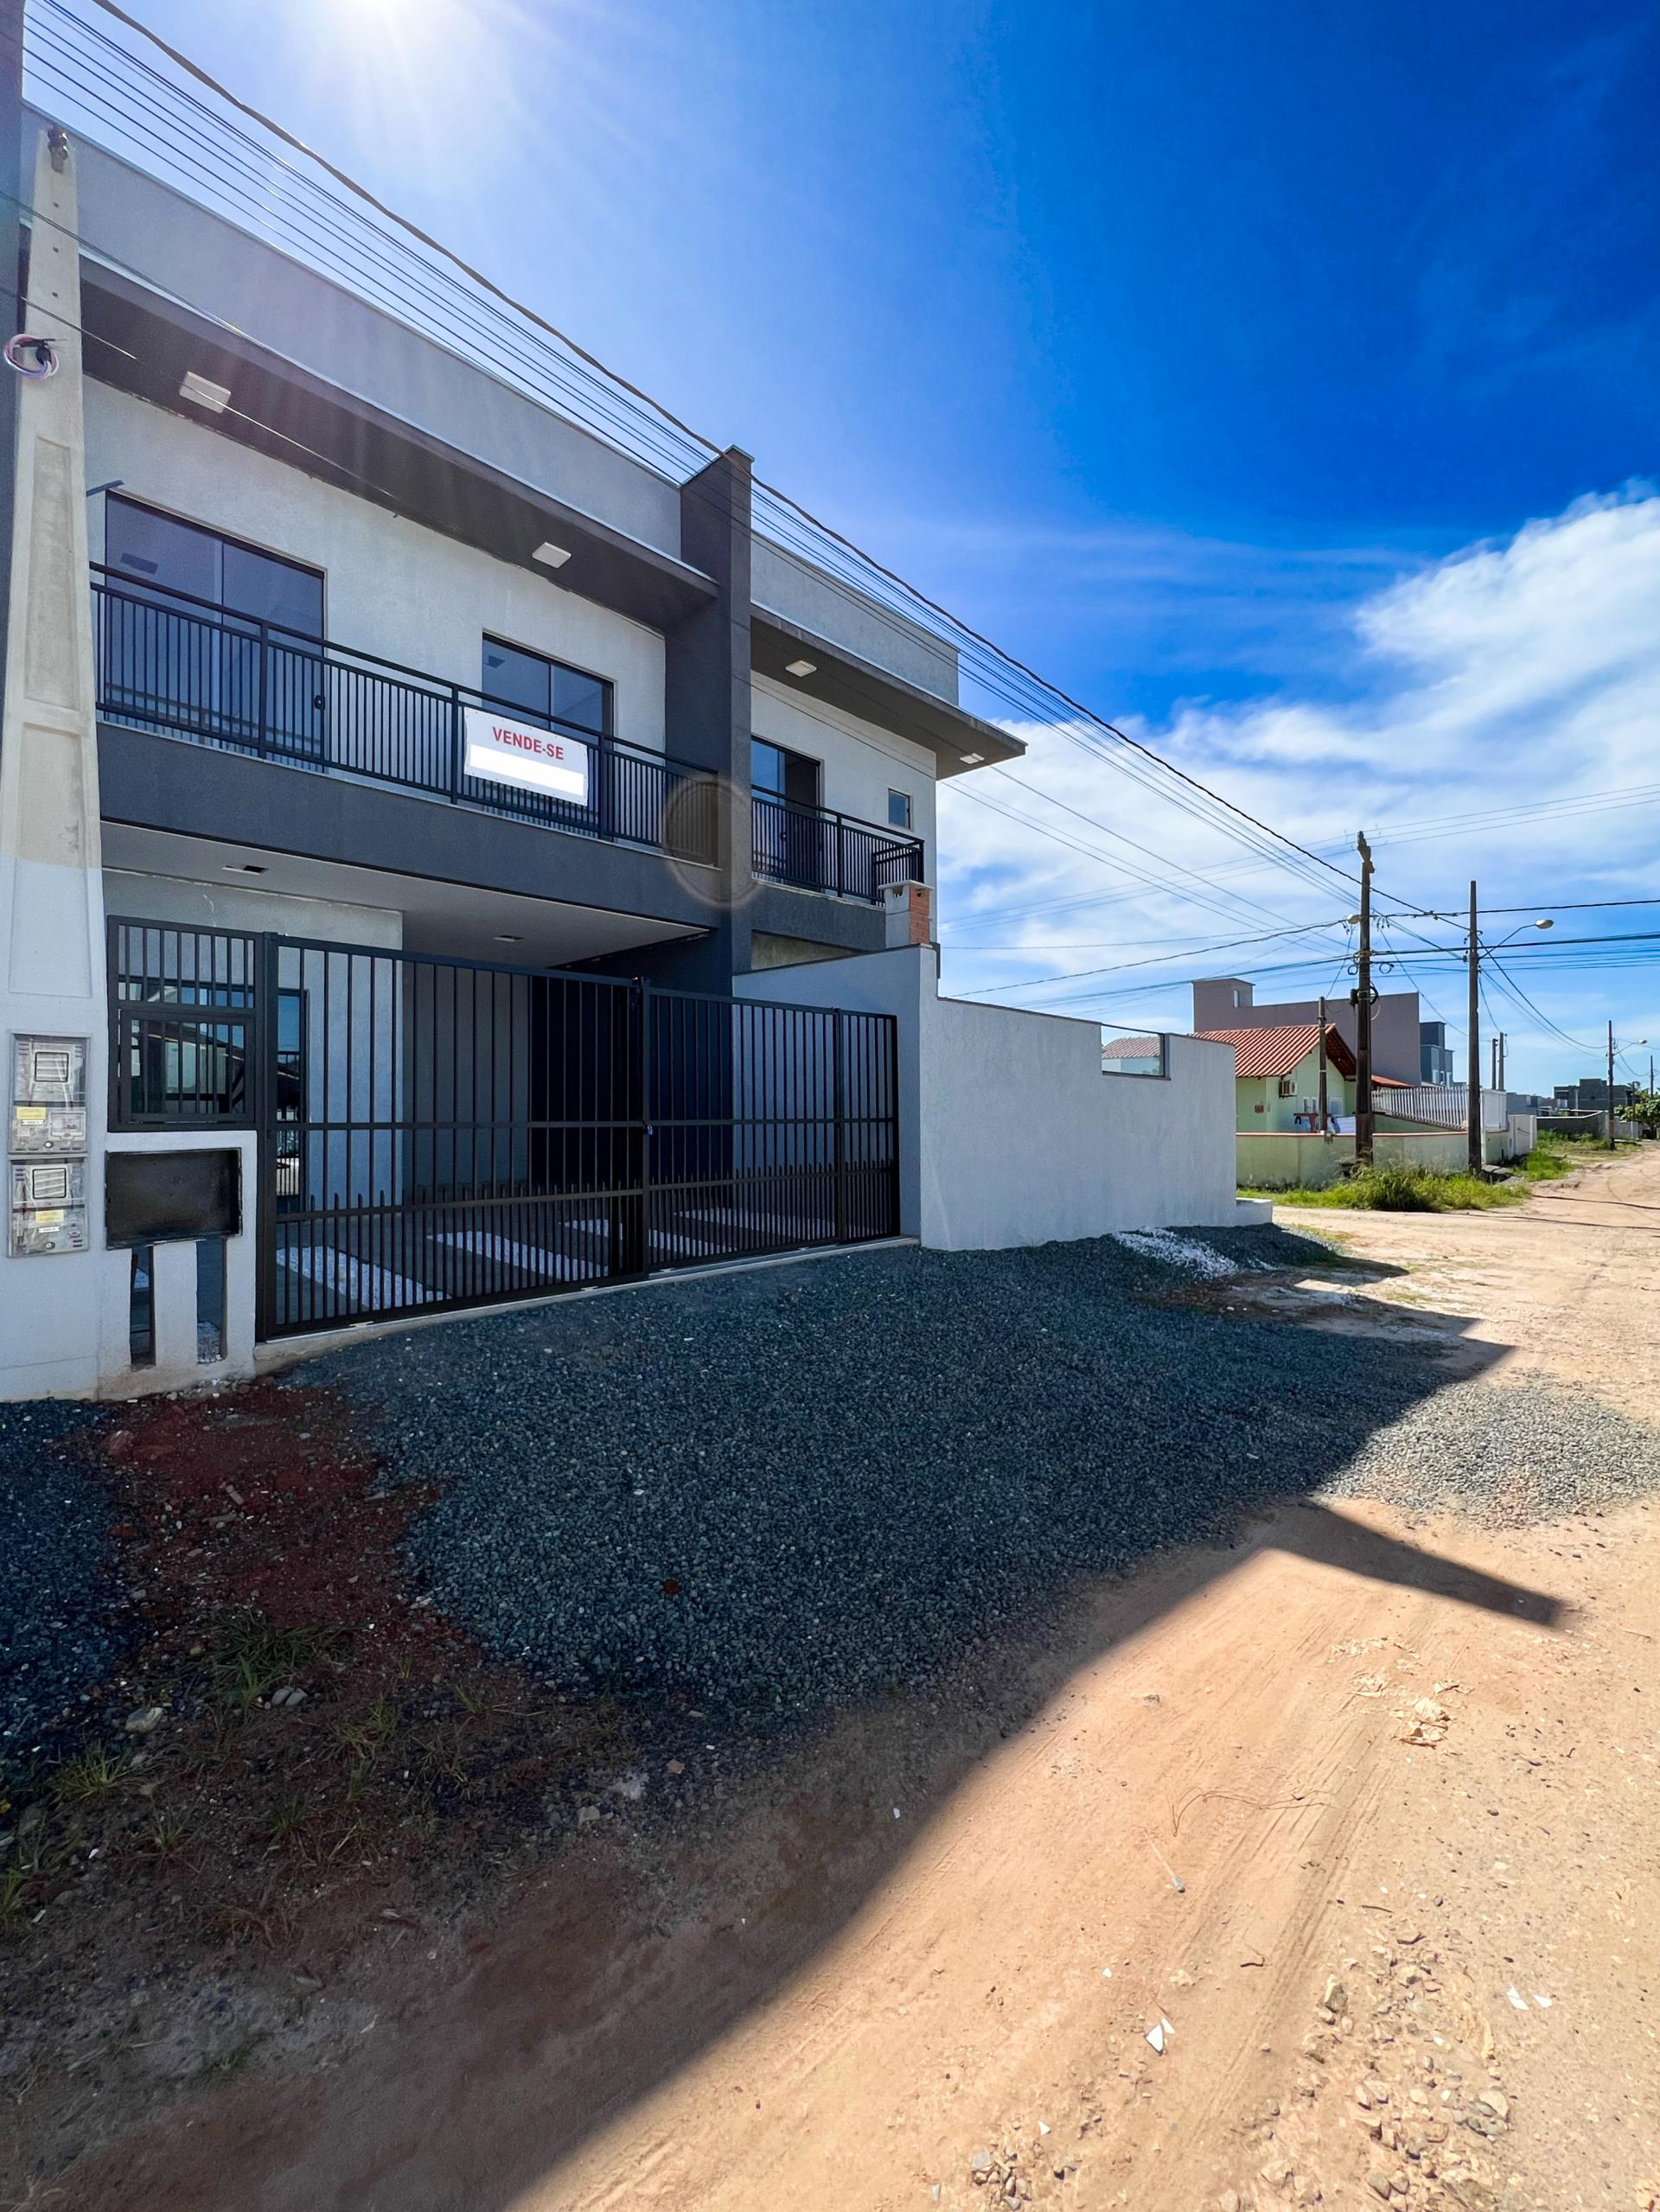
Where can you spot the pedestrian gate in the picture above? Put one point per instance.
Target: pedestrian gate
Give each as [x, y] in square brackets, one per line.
[438, 1133]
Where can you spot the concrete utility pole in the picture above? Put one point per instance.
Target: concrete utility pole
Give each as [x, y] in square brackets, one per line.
[1611, 1087]
[1363, 1013]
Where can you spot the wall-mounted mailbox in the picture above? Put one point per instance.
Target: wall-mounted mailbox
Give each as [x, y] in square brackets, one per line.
[166, 1198]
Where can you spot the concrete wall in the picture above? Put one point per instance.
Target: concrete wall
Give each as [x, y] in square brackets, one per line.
[785, 584]
[227, 905]
[391, 587]
[1395, 1020]
[134, 221]
[1009, 1134]
[1267, 1161]
[862, 763]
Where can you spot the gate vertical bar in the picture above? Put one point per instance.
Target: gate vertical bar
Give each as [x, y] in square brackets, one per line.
[262, 1083]
[646, 1126]
[838, 1110]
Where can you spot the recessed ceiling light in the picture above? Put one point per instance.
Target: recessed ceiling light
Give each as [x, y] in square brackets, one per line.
[554, 557]
[507, 937]
[215, 398]
[802, 667]
[971, 760]
[244, 868]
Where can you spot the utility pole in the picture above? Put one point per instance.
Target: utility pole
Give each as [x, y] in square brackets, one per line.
[1363, 1013]
[1474, 1099]
[1611, 1086]
[1325, 1132]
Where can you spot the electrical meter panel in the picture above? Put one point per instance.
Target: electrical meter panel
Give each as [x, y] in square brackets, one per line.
[48, 1095]
[47, 1134]
[49, 1206]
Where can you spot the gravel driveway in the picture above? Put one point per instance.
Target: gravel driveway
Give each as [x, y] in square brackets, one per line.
[778, 1490]
[57, 1634]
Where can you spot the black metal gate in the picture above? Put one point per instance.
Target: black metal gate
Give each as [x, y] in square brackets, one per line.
[439, 1133]
[436, 1133]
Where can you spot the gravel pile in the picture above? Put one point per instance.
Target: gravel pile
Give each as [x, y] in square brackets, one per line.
[1509, 1453]
[780, 1490]
[56, 1585]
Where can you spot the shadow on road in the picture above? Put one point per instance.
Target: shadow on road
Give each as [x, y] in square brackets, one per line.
[626, 1959]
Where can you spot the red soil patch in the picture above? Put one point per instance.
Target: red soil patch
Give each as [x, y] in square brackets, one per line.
[335, 1765]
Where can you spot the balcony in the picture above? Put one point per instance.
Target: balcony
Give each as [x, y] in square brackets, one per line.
[169, 663]
[813, 850]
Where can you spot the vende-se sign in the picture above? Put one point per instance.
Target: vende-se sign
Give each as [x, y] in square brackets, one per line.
[513, 752]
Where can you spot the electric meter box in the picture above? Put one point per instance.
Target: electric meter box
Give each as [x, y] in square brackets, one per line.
[48, 1095]
[49, 1206]
[46, 1127]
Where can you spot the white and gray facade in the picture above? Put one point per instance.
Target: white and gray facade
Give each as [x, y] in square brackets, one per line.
[281, 565]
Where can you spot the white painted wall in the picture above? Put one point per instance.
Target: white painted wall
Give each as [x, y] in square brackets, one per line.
[392, 587]
[1010, 1134]
[862, 763]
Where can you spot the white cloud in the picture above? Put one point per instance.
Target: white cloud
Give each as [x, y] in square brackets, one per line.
[1496, 716]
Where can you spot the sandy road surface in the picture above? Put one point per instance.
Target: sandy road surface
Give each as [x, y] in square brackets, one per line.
[918, 1964]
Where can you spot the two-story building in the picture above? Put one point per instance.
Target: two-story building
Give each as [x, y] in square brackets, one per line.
[408, 802]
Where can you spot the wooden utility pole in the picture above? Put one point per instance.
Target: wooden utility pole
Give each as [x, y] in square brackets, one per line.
[1363, 1013]
[1611, 1087]
[1473, 1117]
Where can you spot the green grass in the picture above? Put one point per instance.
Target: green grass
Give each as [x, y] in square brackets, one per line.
[1403, 1190]
[255, 1657]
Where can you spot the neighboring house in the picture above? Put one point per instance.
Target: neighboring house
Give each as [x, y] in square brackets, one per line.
[1277, 1086]
[1229, 1002]
[1435, 1054]
[445, 860]
[1590, 1095]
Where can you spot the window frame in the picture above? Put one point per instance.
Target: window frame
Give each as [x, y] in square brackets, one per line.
[224, 538]
[787, 753]
[551, 661]
[909, 825]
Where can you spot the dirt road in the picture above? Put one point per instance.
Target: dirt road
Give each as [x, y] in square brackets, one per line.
[1323, 1869]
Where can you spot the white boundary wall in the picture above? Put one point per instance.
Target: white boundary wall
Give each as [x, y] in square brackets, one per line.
[1010, 1134]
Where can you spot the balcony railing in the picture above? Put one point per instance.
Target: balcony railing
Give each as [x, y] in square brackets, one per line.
[168, 662]
[818, 850]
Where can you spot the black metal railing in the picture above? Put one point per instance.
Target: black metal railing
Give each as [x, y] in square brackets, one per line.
[818, 850]
[166, 661]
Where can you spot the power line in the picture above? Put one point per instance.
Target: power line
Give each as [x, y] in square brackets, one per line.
[960, 631]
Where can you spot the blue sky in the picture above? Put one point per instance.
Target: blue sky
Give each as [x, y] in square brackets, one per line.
[1279, 381]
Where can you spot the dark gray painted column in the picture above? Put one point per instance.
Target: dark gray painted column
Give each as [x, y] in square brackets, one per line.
[11, 169]
[707, 700]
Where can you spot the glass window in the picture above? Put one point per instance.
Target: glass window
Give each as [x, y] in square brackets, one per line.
[547, 689]
[899, 810]
[152, 548]
[272, 590]
[776, 773]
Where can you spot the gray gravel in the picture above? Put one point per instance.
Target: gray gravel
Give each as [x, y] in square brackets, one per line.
[1508, 1452]
[776, 1491]
[56, 1587]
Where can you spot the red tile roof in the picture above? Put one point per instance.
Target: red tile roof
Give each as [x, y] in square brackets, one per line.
[1267, 1052]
